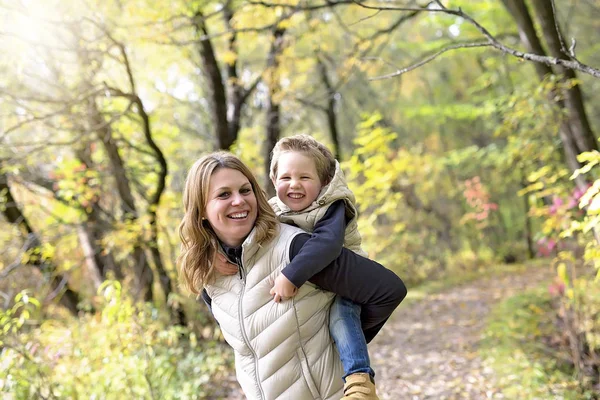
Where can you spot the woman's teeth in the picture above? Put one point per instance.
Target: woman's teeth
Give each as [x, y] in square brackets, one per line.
[239, 215]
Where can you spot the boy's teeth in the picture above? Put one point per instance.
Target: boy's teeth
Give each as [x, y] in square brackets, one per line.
[296, 195]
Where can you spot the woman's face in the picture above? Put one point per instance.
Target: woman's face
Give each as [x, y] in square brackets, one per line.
[231, 208]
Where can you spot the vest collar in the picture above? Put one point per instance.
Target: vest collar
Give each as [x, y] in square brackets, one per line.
[243, 252]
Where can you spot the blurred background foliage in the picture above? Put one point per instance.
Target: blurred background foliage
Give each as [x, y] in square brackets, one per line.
[464, 156]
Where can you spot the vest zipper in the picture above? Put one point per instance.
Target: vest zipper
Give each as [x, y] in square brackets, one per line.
[241, 317]
[238, 261]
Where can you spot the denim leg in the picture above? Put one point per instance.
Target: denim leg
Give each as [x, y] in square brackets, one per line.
[346, 331]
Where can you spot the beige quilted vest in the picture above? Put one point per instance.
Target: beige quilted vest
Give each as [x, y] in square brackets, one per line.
[282, 350]
[306, 219]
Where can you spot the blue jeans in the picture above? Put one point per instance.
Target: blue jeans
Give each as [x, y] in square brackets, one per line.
[346, 331]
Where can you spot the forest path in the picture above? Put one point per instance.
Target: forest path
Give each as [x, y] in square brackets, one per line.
[429, 348]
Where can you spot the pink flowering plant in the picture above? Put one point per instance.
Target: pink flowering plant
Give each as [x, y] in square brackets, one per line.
[589, 206]
[477, 198]
[576, 220]
[557, 219]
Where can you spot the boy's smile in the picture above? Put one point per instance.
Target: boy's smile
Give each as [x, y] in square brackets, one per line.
[297, 182]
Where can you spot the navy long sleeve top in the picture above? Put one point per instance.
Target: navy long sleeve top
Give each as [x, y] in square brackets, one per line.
[324, 245]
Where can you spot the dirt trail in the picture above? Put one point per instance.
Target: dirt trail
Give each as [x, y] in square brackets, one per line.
[428, 349]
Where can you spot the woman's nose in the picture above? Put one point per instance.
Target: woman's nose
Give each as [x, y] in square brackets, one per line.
[237, 199]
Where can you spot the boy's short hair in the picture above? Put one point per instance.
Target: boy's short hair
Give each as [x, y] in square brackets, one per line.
[323, 158]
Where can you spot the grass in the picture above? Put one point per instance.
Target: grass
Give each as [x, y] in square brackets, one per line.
[512, 346]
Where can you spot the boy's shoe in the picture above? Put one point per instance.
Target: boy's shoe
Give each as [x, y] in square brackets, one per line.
[359, 386]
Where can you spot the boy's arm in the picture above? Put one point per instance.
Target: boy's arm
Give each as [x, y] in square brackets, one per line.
[377, 289]
[324, 245]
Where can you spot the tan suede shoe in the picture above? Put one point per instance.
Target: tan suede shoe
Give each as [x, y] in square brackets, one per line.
[359, 386]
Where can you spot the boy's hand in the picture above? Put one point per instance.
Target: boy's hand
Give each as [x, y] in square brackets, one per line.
[283, 288]
[223, 266]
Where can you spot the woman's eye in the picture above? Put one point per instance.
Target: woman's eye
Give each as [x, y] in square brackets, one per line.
[246, 190]
[223, 195]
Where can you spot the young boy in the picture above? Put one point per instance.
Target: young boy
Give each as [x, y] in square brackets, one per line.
[312, 194]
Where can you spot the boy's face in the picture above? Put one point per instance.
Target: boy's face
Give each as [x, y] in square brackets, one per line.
[297, 182]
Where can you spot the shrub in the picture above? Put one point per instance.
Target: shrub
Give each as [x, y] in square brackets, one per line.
[124, 351]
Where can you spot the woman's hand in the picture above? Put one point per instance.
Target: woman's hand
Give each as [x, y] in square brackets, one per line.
[224, 266]
[283, 288]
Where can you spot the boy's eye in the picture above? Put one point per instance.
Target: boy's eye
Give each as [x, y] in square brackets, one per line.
[284, 178]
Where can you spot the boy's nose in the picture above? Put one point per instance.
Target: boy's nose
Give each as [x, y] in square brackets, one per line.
[294, 183]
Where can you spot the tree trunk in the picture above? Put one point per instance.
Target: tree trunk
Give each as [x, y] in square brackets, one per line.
[227, 96]
[145, 272]
[582, 132]
[144, 277]
[572, 142]
[273, 127]
[214, 82]
[95, 228]
[413, 201]
[235, 91]
[528, 228]
[153, 203]
[331, 114]
[93, 270]
[58, 282]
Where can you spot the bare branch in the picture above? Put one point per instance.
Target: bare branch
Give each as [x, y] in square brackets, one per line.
[251, 88]
[311, 7]
[558, 32]
[29, 242]
[573, 64]
[442, 9]
[427, 59]
[376, 13]
[395, 25]
[311, 104]
[77, 138]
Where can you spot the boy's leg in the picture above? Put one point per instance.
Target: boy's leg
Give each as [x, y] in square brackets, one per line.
[346, 331]
[377, 289]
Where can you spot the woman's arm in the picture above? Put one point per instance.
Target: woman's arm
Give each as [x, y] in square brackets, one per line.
[377, 289]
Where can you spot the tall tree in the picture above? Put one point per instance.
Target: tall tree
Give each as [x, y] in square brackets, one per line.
[226, 93]
[575, 131]
[273, 112]
[32, 247]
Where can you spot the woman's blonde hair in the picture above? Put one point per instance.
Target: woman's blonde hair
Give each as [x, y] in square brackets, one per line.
[199, 243]
[323, 158]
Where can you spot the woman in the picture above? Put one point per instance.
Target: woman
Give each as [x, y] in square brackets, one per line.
[282, 350]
